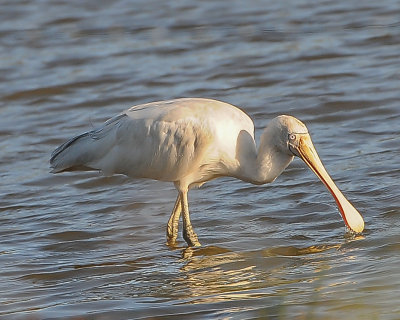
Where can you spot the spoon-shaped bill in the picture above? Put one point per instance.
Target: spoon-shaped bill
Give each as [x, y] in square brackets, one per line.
[308, 154]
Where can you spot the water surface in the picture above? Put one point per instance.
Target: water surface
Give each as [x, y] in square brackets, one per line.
[79, 245]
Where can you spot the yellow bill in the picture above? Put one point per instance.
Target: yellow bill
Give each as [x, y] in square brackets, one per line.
[304, 148]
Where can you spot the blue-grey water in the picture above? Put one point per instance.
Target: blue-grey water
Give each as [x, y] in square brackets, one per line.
[83, 246]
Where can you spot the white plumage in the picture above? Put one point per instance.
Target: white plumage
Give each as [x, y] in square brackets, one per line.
[162, 140]
[191, 141]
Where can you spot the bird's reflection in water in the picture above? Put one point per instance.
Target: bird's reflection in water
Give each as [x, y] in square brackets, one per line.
[216, 274]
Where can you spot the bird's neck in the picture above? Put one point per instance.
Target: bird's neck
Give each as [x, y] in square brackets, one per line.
[265, 164]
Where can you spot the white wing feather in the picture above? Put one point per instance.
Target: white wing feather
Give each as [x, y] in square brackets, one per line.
[164, 140]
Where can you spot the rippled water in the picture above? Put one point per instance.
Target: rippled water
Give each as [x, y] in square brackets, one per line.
[85, 246]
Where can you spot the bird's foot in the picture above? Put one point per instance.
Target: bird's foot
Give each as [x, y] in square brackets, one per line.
[191, 239]
[171, 242]
[172, 234]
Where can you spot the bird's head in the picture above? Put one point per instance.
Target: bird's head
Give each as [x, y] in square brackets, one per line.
[295, 140]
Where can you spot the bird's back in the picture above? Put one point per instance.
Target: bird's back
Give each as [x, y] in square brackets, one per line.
[164, 140]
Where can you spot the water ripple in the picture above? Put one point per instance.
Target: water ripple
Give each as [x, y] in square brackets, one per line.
[80, 245]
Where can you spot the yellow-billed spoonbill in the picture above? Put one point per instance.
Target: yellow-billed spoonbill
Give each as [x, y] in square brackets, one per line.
[191, 141]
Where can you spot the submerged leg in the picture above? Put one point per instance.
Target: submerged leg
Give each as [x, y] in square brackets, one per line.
[188, 233]
[173, 222]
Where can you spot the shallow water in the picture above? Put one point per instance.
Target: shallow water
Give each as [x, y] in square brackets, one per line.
[79, 245]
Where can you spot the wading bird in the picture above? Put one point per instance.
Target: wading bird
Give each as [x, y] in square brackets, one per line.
[191, 141]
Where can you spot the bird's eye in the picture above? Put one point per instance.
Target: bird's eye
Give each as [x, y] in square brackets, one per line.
[292, 136]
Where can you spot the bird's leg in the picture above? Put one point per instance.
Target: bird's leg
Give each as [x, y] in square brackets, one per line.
[173, 222]
[188, 233]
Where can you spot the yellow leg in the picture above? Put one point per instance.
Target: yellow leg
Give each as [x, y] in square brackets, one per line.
[173, 222]
[188, 233]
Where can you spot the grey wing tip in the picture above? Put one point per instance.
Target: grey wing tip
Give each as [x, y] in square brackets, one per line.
[53, 168]
[58, 152]
[53, 157]
[61, 161]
